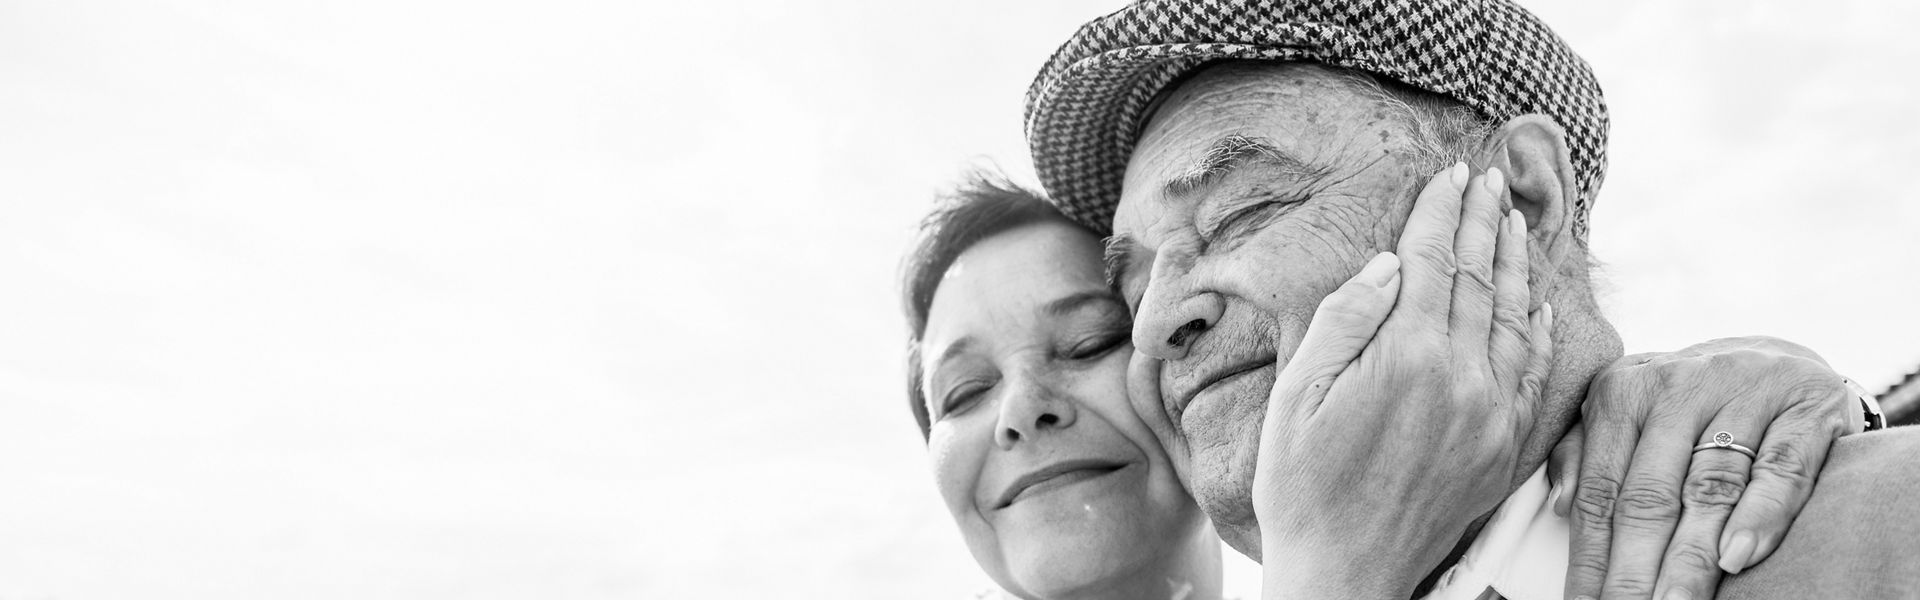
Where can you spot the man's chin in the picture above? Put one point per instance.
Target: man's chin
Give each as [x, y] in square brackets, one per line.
[1229, 504]
[1222, 484]
[1221, 431]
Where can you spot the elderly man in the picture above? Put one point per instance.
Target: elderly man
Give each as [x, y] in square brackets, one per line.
[1239, 148]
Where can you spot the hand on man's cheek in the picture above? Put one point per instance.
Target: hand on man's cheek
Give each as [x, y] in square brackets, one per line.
[1284, 270]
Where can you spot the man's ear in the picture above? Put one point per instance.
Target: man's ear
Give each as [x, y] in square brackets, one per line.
[1532, 151]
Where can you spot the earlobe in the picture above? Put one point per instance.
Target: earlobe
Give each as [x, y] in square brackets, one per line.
[1532, 149]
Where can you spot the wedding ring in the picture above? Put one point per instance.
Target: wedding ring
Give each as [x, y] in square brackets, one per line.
[1724, 441]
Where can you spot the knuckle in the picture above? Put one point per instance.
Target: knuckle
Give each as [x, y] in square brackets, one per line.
[1823, 390]
[1587, 567]
[1514, 319]
[1478, 276]
[1737, 360]
[1697, 558]
[1764, 511]
[1609, 396]
[1638, 505]
[1717, 485]
[1469, 388]
[1787, 461]
[1594, 497]
[1472, 258]
[1530, 386]
[1630, 583]
[1434, 254]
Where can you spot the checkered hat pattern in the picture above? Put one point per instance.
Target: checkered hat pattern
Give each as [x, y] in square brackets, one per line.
[1084, 109]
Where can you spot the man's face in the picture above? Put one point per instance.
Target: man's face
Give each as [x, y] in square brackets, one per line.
[1254, 192]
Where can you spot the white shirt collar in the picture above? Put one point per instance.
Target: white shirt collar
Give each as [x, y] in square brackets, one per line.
[1521, 553]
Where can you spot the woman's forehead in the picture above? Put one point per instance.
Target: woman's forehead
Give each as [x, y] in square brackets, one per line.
[1003, 284]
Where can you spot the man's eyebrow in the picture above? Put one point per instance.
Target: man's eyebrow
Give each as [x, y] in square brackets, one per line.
[1230, 153]
[1076, 301]
[1118, 255]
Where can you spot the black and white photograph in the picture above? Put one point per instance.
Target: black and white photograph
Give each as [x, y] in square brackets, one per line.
[1060, 300]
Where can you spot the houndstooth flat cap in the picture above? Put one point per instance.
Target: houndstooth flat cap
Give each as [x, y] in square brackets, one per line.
[1084, 108]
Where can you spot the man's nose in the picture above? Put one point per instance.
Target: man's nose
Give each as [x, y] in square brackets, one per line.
[1172, 314]
[1029, 411]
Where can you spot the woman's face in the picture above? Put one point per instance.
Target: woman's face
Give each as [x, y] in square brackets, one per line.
[1056, 484]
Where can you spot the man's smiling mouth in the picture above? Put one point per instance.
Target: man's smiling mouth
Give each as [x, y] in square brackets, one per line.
[1219, 378]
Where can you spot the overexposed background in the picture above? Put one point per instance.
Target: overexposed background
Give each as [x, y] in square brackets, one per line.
[436, 299]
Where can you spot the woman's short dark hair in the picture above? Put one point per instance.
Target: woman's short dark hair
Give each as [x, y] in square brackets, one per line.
[985, 204]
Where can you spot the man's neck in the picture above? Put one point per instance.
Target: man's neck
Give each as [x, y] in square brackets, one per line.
[1584, 343]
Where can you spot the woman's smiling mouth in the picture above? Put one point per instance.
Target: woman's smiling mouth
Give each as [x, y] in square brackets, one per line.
[1055, 476]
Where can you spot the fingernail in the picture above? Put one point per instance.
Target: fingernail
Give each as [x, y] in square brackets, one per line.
[1546, 313]
[1562, 503]
[1553, 498]
[1381, 270]
[1760, 551]
[1494, 181]
[1679, 594]
[1734, 553]
[1518, 222]
[1458, 175]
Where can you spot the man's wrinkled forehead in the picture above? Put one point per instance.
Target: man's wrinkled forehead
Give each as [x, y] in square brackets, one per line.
[1173, 200]
[1202, 129]
[1213, 119]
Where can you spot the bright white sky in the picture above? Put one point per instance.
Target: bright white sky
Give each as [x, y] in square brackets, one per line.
[414, 299]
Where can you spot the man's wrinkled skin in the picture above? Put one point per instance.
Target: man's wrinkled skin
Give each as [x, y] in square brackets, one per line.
[1419, 390]
[1224, 266]
[1292, 234]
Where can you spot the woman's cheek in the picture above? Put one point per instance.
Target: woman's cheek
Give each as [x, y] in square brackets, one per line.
[1106, 382]
[956, 466]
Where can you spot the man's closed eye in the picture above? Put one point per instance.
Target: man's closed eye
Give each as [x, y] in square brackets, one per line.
[1248, 219]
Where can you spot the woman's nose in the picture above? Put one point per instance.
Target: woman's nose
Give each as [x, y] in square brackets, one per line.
[1171, 315]
[1029, 411]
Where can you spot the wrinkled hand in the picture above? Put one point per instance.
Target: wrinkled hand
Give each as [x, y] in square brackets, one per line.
[1650, 515]
[1399, 419]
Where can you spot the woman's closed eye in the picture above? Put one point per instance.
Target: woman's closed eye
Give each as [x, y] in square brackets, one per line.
[1099, 345]
[963, 396]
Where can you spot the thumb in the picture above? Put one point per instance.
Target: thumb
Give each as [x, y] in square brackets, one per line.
[1343, 326]
[1563, 468]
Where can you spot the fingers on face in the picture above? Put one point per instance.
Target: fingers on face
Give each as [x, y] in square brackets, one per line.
[1717, 478]
[1789, 457]
[1344, 325]
[1426, 246]
[1512, 329]
[1474, 248]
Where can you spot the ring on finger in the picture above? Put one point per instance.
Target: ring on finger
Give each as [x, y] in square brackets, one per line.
[1724, 441]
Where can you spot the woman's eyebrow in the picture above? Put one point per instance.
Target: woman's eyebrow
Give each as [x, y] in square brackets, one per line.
[955, 349]
[1073, 302]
